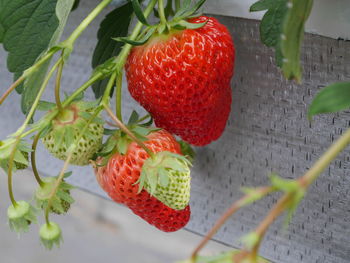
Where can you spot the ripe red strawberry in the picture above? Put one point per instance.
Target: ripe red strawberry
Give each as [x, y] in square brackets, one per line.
[183, 80]
[119, 177]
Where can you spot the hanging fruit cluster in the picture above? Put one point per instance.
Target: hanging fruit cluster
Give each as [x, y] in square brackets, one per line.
[179, 70]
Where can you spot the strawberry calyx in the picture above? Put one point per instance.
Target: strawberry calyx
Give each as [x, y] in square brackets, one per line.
[20, 216]
[50, 235]
[166, 176]
[179, 22]
[62, 199]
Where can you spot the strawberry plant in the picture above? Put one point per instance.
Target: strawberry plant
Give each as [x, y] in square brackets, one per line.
[179, 69]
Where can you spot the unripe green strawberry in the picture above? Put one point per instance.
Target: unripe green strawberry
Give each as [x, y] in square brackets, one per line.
[50, 235]
[20, 216]
[74, 125]
[167, 177]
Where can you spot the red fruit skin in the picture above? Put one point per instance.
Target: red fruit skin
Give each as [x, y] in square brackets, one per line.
[183, 80]
[119, 176]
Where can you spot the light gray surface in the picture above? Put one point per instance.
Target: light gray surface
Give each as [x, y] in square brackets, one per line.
[267, 131]
[95, 229]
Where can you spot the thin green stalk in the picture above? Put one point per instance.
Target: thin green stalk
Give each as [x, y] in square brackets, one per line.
[177, 5]
[20, 131]
[58, 182]
[110, 85]
[85, 23]
[261, 192]
[144, 118]
[26, 74]
[58, 86]
[161, 12]
[11, 88]
[37, 99]
[33, 159]
[9, 175]
[325, 160]
[86, 85]
[118, 96]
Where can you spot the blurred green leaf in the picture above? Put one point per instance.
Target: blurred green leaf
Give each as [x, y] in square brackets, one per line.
[115, 24]
[25, 36]
[293, 36]
[333, 98]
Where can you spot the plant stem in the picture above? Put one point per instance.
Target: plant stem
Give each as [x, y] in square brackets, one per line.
[118, 96]
[57, 184]
[85, 23]
[144, 118]
[275, 212]
[322, 163]
[262, 191]
[127, 131]
[9, 175]
[37, 99]
[20, 131]
[11, 88]
[58, 86]
[177, 5]
[86, 85]
[305, 181]
[161, 12]
[107, 93]
[33, 159]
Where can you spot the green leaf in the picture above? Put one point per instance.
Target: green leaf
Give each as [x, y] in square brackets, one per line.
[122, 145]
[115, 24]
[168, 10]
[284, 185]
[187, 150]
[139, 12]
[187, 25]
[292, 37]
[134, 117]
[163, 177]
[141, 41]
[271, 25]
[251, 239]
[263, 5]
[27, 33]
[333, 98]
[282, 27]
[45, 106]
[75, 5]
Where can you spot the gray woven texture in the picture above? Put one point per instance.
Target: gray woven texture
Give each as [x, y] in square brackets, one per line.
[267, 132]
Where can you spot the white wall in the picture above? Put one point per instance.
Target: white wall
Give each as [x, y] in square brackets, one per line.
[329, 17]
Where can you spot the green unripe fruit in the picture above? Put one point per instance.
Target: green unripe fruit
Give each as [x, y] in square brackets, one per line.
[50, 235]
[74, 126]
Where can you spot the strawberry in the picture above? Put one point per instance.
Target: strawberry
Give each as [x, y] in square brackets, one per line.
[120, 175]
[183, 79]
[72, 124]
[166, 176]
